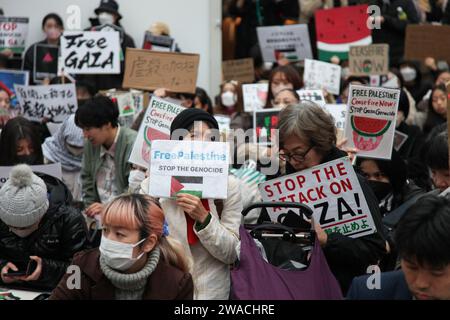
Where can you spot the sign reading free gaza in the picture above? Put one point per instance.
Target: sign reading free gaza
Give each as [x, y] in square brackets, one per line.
[195, 167]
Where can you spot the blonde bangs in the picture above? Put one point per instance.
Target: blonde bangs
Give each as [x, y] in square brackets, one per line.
[121, 213]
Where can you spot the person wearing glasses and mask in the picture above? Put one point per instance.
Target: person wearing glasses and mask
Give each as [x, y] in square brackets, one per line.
[307, 138]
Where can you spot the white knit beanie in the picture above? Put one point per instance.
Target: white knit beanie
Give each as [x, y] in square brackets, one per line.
[23, 198]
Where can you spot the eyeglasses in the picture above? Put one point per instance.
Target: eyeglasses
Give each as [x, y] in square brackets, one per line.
[297, 157]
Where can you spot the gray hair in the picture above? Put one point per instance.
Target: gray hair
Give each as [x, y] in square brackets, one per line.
[309, 122]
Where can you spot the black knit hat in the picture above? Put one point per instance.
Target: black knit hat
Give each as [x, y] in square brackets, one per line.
[186, 118]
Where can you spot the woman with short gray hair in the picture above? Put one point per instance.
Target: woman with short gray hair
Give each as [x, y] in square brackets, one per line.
[307, 139]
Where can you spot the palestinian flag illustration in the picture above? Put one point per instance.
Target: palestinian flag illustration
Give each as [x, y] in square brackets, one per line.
[368, 132]
[339, 28]
[183, 184]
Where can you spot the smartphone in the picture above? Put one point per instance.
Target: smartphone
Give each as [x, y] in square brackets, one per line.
[25, 268]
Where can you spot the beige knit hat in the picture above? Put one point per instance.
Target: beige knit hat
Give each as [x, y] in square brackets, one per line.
[23, 198]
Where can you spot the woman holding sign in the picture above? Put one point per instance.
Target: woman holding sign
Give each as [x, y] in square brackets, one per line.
[308, 139]
[208, 229]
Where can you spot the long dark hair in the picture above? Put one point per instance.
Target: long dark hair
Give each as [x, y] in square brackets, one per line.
[433, 118]
[15, 130]
[292, 76]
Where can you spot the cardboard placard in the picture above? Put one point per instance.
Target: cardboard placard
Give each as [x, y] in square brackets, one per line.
[331, 190]
[265, 124]
[370, 120]
[338, 112]
[339, 28]
[322, 75]
[150, 70]
[155, 126]
[241, 70]
[53, 170]
[426, 40]
[54, 102]
[369, 60]
[255, 96]
[13, 33]
[10, 77]
[158, 43]
[45, 62]
[91, 52]
[195, 167]
[315, 96]
[290, 42]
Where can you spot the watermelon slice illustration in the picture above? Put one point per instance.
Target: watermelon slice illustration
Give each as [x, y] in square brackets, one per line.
[339, 28]
[151, 134]
[368, 132]
[262, 95]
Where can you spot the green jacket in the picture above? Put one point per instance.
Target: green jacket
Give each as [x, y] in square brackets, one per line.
[91, 164]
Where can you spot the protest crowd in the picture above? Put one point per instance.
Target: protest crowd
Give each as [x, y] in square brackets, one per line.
[121, 179]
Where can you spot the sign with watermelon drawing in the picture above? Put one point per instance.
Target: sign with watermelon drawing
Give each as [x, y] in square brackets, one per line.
[369, 60]
[331, 190]
[322, 75]
[155, 126]
[265, 124]
[195, 167]
[339, 28]
[255, 96]
[370, 120]
[290, 42]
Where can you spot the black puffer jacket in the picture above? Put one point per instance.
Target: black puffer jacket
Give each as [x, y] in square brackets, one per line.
[62, 232]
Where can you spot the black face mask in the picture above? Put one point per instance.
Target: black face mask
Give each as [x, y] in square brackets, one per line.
[29, 159]
[381, 189]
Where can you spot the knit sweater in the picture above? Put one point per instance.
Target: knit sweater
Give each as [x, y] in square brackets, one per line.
[131, 286]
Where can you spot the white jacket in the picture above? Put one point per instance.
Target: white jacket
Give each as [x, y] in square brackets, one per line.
[216, 248]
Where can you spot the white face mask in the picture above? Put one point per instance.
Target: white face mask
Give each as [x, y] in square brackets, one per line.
[229, 99]
[135, 179]
[105, 18]
[118, 255]
[23, 233]
[408, 74]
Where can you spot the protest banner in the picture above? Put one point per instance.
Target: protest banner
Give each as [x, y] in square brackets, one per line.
[150, 70]
[339, 28]
[195, 167]
[53, 170]
[290, 42]
[54, 102]
[10, 77]
[399, 139]
[265, 124]
[255, 96]
[91, 52]
[322, 75]
[155, 126]
[241, 70]
[45, 62]
[158, 43]
[426, 40]
[338, 112]
[315, 96]
[13, 33]
[370, 120]
[369, 60]
[331, 190]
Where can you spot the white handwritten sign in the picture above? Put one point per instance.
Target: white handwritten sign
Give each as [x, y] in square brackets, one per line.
[322, 75]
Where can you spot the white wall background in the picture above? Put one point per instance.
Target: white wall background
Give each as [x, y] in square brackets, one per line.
[195, 25]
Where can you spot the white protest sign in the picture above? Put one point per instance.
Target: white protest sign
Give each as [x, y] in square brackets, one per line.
[195, 167]
[315, 96]
[53, 170]
[255, 96]
[370, 120]
[331, 190]
[155, 126]
[322, 75]
[91, 52]
[55, 102]
[13, 33]
[290, 42]
[338, 112]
